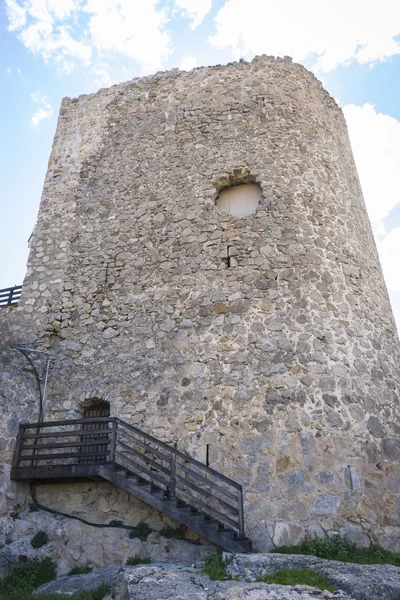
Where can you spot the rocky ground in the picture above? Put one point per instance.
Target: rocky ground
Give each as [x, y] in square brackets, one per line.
[183, 582]
[364, 582]
[179, 582]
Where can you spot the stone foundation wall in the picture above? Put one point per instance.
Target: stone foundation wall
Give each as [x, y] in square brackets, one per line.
[268, 338]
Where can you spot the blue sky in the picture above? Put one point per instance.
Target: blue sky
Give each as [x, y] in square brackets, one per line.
[55, 48]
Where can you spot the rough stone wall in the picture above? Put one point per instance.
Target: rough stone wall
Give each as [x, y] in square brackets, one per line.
[270, 337]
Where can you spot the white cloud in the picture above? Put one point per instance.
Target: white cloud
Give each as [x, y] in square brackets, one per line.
[379, 230]
[103, 77]
[72, 32]
[43, 112]
[16, 15]
[43, 38]
[188, 63]
[329, 33]
[195, 10]
[43, 28]
[395, 300]
[389, 251]
[375, 139]
[132, 28]
[13, 70]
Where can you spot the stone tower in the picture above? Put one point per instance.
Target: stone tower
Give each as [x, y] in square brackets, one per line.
[263, 343]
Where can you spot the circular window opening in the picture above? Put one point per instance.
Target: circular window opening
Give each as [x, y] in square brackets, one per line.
[240, 200]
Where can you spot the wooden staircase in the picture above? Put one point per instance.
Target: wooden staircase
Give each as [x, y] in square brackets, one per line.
[107, 448]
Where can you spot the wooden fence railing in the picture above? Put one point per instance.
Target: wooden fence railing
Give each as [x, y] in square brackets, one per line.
[58, 444]
[10, 296]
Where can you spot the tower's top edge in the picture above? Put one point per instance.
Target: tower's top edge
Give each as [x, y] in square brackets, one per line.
[199, 73]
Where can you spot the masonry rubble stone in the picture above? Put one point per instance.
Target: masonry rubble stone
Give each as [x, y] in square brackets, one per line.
[268, 338]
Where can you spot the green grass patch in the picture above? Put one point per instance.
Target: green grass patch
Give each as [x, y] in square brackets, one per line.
[338, 548]
[141, 531]
[80, 571]
[97, 594]
[175, 533]
[15, 513]
[215, 565]
[138, 560]
[24, 578]
[298, 577]
[40, 539]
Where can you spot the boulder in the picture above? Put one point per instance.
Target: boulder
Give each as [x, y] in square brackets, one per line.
[364, 582]
[80, 583]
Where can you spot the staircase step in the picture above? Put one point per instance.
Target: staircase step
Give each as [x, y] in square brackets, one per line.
[149, 487]
[212, 524]
[146, 486]
[227, 533]
[133, 478]
[246, 544]
[211, 521]
[121, 470]
[198, 515]
[158, 493]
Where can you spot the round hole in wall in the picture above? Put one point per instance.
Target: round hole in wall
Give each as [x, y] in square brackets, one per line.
[240, 200]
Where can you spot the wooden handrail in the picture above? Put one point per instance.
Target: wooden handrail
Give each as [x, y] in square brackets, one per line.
[10, 296]
[92, 442]
[156, 461]
[234, 510]
[68, 422]
[186, 457]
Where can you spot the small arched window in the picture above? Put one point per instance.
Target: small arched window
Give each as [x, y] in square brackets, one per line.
[96, 408]
[240, 200]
